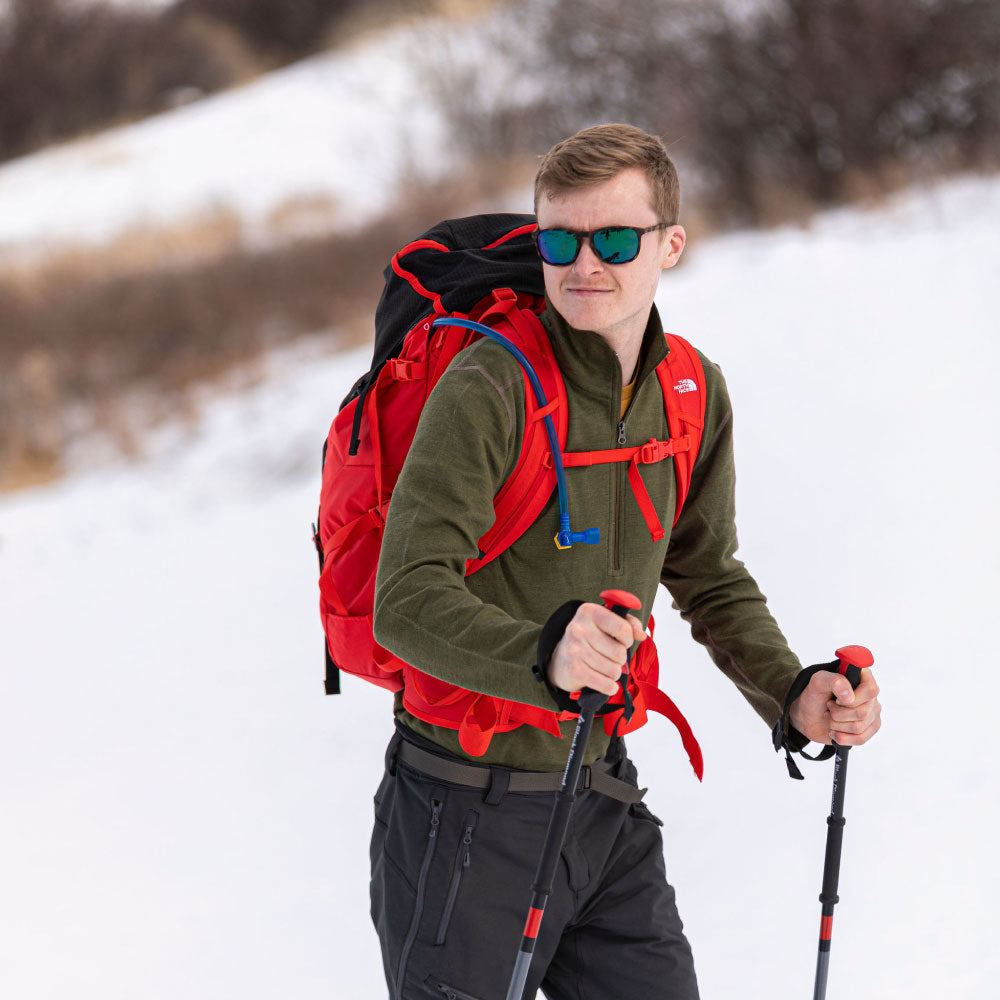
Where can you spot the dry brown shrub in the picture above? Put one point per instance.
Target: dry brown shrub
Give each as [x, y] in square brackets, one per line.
[303, 215]
[799, 97]
[84, 333]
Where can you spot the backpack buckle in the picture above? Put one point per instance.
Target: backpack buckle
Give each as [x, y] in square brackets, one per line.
[655, 451]
[406, 371]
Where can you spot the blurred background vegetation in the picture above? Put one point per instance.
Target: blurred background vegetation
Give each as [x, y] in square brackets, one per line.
[773, 109]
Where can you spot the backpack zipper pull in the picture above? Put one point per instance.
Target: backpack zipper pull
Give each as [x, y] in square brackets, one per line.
[621, 433]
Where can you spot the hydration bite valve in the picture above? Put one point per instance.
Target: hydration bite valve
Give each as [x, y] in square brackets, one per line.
[565, 538]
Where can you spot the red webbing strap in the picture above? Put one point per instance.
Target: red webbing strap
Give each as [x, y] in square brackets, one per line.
[641, 495]
[657, 701]
[641, 454]
[542, 413]
[647, 696]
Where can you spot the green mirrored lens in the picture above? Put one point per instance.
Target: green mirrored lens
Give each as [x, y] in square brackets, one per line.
[557, 246]
[616, 246]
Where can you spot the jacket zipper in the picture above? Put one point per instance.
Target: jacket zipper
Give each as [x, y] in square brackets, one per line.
[619, 527]
[436, 806]
[448, 992]
[463, 858]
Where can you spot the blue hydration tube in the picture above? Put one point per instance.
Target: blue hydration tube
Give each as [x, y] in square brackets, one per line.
[566, 537]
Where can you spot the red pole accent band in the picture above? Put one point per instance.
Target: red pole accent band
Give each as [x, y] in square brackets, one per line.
[826, 928]
[533, 922]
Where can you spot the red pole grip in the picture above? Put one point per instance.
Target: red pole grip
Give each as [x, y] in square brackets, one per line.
[854, 659]
[615, 599]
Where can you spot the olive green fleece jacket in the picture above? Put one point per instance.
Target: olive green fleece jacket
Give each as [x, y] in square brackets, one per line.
[481, 632]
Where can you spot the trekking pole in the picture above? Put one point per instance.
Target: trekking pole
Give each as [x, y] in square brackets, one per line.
[620, 602]
[853, 659]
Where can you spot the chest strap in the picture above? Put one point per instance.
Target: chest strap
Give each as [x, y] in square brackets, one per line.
[644, 454]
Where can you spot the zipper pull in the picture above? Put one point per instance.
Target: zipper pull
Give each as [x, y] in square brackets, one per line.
[467, 840]
[621, 433]
[435, 818]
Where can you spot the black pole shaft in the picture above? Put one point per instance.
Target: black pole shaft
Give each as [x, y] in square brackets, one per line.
[831, 871]
[555, 836]
[589, 702]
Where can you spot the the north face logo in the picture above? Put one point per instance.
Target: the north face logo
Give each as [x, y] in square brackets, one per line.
[686, 385]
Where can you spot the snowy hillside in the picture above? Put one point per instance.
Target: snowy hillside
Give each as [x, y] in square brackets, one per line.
[328, 133]
[186, 815]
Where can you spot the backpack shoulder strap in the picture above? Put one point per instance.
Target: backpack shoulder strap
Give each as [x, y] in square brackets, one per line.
[524, 495]
[682, 379]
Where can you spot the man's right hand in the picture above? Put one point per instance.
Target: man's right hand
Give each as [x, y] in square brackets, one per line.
[593, 650]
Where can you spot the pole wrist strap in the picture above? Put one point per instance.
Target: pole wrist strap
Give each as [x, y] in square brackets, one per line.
[552, 632]
[785, 736]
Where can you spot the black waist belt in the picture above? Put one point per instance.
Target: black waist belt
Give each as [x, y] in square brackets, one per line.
[596, 776]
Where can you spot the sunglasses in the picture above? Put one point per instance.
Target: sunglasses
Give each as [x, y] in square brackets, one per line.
[612, 244]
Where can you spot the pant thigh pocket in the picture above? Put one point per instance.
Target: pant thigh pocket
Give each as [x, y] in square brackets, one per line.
[460, 866]
[429, 847]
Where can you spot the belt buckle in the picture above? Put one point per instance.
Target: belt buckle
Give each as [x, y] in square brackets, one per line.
[585, 775]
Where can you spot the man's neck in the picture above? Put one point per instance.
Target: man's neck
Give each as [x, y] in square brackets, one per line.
[627, 346]
[628, 359]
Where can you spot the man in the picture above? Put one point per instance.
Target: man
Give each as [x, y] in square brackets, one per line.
[456, 837]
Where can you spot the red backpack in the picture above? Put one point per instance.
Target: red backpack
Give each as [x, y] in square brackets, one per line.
[462, 280]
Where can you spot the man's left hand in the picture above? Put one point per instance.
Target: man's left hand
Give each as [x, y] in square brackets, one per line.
[830, 710]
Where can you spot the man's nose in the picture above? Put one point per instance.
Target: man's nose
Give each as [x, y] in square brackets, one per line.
[587, 262]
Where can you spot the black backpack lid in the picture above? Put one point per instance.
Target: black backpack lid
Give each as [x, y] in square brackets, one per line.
[472, 267]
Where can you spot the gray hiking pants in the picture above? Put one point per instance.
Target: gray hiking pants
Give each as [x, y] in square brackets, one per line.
[451, 874]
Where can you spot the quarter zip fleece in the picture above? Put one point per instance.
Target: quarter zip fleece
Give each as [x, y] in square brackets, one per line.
[480, 632]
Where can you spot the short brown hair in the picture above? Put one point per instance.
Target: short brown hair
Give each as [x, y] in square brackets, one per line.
[597, 154]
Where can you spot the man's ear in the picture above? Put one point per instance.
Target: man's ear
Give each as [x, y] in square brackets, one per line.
[672, 246]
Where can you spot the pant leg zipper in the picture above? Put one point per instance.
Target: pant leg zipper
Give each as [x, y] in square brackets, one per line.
[436, 806]
[448, 992]
[463, 858]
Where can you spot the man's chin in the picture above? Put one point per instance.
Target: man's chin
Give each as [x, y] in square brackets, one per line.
[584, 312]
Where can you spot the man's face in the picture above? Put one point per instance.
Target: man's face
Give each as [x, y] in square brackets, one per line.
[611, 299]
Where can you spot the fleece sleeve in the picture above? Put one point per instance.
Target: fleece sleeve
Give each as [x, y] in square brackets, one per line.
[711, 588]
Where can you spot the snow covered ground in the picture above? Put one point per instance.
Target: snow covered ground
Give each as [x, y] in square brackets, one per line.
[186, 815]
